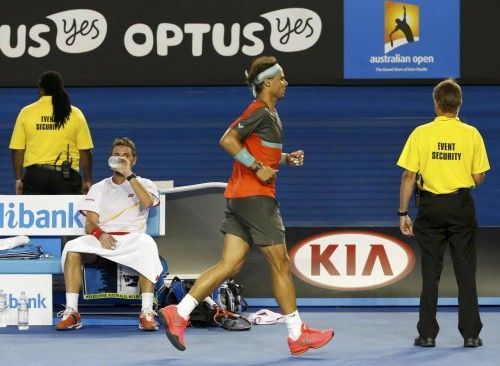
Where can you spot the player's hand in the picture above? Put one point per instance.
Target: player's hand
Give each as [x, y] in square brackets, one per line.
[107, 241]
[125, 167]
[267, 174]
[295, 158]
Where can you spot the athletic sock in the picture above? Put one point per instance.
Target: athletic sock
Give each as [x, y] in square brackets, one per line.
[186, 306]
[147, 300]
[72, 300]
[294, 325]
[210, 302]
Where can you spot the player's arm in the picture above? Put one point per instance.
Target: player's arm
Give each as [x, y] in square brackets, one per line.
[231, 142]
[92, 228]
[145, 198]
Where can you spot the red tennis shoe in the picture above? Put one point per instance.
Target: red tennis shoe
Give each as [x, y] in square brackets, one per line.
[147, 320]
[70, 319]
[309, 338]
[175, 326]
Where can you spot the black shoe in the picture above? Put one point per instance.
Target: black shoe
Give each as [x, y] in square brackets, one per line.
[425, 342]
[473, 342]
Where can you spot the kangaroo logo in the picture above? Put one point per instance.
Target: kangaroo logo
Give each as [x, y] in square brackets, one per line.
[402, 25]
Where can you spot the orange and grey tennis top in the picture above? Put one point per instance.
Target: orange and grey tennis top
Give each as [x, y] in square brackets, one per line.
[261, 133]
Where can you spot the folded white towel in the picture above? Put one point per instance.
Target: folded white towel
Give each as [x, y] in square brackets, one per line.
[16, 241]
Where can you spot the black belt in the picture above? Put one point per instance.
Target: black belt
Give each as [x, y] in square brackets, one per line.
[56, 168]
[430, 194]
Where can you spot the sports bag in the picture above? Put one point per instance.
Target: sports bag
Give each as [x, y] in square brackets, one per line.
[224, 311]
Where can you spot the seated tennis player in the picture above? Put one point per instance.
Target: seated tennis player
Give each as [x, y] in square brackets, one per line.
[116, 211]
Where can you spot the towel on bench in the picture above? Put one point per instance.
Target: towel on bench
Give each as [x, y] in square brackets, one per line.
[30, 251]
[13, 242]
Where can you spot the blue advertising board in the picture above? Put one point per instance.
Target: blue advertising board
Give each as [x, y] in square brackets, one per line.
[389, 40]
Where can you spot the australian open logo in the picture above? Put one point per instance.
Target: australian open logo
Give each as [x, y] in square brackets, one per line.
[402, 25]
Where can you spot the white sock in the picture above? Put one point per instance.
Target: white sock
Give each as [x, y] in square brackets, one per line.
[210, 302]
[72, 300]
[186, 306]
[147, 300]
[294, 324]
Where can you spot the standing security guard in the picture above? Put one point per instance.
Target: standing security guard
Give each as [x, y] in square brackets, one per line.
[51, 139]
[450, 157]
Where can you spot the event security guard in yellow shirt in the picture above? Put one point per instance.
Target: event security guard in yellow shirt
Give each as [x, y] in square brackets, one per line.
[51, 139]
[450, 157]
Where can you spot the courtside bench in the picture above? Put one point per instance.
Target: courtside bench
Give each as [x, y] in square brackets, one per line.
[45, 220]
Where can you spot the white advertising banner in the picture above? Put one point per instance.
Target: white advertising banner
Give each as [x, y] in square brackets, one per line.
[47, 215]
[38, 289]
[41, 215]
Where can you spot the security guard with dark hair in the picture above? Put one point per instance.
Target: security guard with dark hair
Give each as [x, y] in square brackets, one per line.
[451, 159]
[51, 139]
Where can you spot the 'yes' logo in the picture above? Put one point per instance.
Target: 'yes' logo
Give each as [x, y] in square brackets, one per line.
[79, 30]
[293, 29]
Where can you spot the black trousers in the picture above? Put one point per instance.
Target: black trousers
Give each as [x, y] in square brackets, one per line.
[442, 220]
[38, 180]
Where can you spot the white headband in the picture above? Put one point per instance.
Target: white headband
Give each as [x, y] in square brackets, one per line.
[268, 73]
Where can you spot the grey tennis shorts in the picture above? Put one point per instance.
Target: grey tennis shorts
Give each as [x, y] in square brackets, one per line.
[255, 219]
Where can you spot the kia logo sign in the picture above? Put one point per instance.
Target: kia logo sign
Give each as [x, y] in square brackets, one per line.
[351, 260]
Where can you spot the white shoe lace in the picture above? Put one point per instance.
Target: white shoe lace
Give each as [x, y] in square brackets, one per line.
[66, 312]
[148, 313]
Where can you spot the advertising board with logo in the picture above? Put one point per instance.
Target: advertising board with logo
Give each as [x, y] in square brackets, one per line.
[40, 215]
[38, 290]
[351, 260]
[194, 42]
[413, 40]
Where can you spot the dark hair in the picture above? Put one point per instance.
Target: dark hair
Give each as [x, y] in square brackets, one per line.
[52, 84]
[448, 96]
[123, 141]
[258, 65]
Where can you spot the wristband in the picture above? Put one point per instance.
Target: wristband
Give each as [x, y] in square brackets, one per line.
[258, 166]
[283, 158]
[404, 213]
[131, 176]
[244, 157]
[97, 232]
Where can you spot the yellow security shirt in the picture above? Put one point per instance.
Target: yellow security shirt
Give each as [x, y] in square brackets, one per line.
[446, 152]
[35, 133]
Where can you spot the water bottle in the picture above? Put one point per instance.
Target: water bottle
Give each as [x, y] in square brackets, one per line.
[23, 312]
[3, 309]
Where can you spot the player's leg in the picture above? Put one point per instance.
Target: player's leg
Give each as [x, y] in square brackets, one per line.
[147, 320]
[73, 278]
[300, 337]
[175, 317]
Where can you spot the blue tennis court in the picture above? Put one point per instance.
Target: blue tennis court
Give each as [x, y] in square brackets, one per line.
[363, 336]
